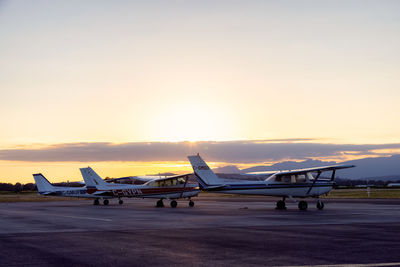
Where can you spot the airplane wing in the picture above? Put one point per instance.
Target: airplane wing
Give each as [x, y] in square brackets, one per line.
[142, 179]
[146, 178]
[306, 170]
[173, 177]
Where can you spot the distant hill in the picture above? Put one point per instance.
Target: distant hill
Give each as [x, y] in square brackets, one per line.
[373, 167]
[228, 169]
[289, 165]
[381, 168]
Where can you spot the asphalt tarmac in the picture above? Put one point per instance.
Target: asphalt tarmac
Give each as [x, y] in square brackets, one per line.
[218, 231]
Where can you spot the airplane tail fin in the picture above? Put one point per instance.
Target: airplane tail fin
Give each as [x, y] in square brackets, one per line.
[205, 176]
[42, 184]
[91, 178]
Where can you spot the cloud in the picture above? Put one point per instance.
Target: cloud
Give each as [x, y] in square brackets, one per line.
[251, 151]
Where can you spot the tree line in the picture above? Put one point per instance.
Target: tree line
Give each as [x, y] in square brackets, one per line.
[18, 187]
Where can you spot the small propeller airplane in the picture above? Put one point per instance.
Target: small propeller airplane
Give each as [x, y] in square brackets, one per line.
[286, 184]
[171, 188]
[47, 189]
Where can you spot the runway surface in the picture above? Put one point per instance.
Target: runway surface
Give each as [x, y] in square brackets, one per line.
[218, 231]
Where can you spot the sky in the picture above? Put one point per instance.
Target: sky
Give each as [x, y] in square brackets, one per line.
[181, 75]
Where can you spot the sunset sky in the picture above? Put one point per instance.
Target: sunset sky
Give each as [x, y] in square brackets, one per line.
[121, 85]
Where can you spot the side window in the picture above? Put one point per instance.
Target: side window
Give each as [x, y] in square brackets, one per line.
[286, 179]
[300, 178]
[278, 179]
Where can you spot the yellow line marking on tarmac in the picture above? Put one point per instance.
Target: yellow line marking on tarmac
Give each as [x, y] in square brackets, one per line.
[351, 265]
[86, 218]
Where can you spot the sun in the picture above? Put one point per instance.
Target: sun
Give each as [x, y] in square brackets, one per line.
[191, 122]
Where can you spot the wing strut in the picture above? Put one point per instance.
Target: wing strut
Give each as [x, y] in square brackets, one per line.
[333, 175]
[315, 180]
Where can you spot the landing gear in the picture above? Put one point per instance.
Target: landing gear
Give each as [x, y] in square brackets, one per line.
[96, 202]
[191, 203]
[105, 202]
[173, 204]
[281, 205]
[121, 202]
[320, 205]
[303, 205]
[160, 204]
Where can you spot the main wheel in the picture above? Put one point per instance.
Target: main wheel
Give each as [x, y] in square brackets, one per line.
[191, 204]
[121, 202]
[105, 202]
[320, 205]
[160, 204]
[96, 202]
[173, 204]
[303, 205]
[280, 205]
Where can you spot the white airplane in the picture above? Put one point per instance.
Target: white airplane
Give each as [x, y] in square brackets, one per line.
[171, 188]
[46, 188]
[286, 184]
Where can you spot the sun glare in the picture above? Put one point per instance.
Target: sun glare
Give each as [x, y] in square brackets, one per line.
[191, 122]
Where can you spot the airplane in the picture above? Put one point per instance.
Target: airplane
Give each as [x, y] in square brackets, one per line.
[170, 188]
[286, 184]
[47, 189]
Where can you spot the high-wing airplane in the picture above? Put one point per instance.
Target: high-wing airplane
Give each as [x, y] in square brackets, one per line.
[286, 184]
[170, 188]
[46, 188]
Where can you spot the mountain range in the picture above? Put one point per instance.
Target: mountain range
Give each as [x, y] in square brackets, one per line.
[378, 168]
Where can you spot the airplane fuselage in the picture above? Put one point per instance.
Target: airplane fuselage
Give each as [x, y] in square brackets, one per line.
[68, 192]
[139, 191]
[274, 189]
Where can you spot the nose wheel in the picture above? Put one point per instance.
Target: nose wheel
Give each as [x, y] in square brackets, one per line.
[320, 205]
[105, 202]
[121, 202]
[191, 204]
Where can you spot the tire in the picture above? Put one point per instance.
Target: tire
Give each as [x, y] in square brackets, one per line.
[303, 205]
[173, 204]
[121, 202]
[159, 204]
[280, 205]
[96, 202]
[105, 202]
[320, 205]
[191, 204]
